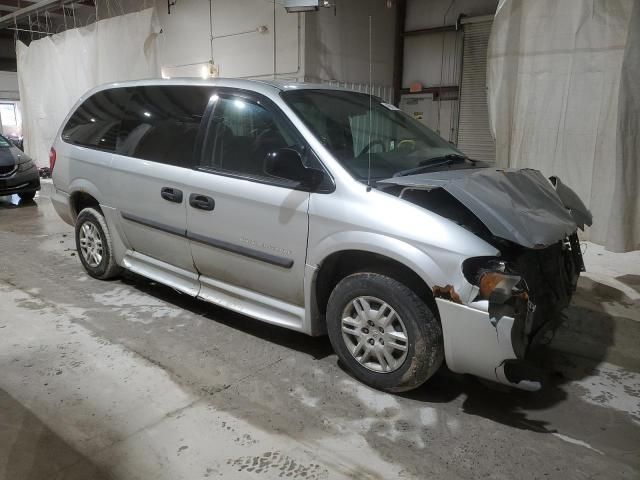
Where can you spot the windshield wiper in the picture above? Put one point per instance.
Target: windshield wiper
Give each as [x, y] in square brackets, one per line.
[431, 163]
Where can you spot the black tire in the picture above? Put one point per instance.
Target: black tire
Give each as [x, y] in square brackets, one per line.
[425, 350]
[107, 268]
[26, 196]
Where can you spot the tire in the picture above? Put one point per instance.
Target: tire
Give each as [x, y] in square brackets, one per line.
[26, 196]
[94, 223]
[405, 370]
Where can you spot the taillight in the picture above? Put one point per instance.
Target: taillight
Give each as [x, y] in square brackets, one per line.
[52, 159]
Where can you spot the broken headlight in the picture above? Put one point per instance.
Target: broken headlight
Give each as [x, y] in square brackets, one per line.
[495, 281]
[498, 287]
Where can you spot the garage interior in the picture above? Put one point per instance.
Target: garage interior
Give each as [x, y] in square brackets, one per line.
[130, 379]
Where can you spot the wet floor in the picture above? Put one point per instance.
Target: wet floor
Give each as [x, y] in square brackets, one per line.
[128, 379]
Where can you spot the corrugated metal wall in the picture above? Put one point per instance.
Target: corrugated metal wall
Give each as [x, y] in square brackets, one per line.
[474, 134]
[384, 92]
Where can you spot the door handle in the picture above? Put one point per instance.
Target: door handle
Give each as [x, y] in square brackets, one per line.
[201, 202]
[171, 194]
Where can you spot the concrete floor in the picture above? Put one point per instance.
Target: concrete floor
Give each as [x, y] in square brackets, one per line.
[128, 379]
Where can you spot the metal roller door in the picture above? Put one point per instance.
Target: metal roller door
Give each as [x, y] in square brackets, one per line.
[474, 135]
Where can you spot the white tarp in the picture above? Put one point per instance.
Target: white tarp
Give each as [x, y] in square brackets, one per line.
[54, 72]
[554, 91]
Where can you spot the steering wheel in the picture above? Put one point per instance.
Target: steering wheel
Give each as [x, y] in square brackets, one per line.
[371, 144]
[406, 145]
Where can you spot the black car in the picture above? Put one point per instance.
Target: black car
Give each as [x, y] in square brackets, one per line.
[18, 173]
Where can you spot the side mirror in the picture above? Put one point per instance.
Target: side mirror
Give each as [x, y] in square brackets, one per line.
[287, 163]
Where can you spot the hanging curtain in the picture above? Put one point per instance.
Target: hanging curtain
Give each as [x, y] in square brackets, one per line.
[54, 72]
[556, 103]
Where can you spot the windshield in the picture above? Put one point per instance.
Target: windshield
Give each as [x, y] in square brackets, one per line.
[395, 143]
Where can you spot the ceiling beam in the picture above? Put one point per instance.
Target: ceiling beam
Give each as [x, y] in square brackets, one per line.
[43, 5]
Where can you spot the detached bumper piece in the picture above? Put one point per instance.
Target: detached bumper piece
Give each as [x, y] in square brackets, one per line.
[485, 345]
[522, 297]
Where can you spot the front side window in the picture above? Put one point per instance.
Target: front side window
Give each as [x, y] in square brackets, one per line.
[4, 143]
[161, 123]
[360, 131]
[241, 133]
[95, 123]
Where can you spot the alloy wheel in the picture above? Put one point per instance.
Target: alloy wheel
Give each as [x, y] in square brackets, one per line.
[91, 244]
[374, 334]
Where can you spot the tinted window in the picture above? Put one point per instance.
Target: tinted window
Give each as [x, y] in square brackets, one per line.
[95, 123]
[240, 135]
[161, 123]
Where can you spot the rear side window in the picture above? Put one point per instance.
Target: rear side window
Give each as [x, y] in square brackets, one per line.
[161, 123]
[96, 122]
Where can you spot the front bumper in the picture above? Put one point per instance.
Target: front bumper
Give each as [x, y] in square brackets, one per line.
[485, 344]
[19, 182]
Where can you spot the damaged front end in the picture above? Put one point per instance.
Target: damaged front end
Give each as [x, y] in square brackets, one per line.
[520, 297]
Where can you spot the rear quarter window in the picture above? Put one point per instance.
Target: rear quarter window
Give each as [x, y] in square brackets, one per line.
[96, 122]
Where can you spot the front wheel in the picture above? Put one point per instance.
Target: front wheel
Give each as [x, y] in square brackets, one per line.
[94, 245]
[383, 332]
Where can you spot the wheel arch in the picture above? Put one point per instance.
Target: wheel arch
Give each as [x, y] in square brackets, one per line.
[348, 252]
[84, 194]
[343, 263]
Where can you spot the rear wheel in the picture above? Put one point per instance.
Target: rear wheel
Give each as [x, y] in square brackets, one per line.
[27, 195]
[94, 245]
[383, 332]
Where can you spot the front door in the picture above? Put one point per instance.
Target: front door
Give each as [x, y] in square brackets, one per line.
[248, 230]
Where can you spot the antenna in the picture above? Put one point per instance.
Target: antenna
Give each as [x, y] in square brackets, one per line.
[370, 111]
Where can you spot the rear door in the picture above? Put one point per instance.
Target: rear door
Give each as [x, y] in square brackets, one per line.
[252, 233]
[151, 167]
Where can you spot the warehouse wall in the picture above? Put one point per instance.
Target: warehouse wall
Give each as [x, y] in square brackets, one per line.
[9, 85]
[185, 38]
[337, 42]
[433, 59]
[434, 13]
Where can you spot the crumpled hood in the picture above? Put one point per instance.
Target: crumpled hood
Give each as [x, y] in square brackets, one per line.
[518, 205]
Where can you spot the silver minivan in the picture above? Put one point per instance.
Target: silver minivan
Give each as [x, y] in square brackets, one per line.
[325, 211]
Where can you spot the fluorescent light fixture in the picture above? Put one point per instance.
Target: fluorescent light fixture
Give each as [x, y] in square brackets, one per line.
[147, 114]
[296, 6]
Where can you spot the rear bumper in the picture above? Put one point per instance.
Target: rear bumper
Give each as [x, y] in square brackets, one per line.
[19, 182]
[62, 204]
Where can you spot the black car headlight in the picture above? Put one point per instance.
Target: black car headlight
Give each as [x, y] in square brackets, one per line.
[24, 166]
